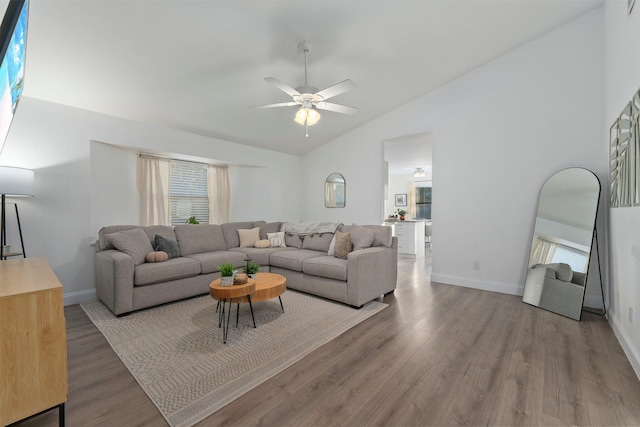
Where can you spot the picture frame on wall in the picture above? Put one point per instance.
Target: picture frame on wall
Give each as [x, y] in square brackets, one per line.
[630, 4]
[401, 200]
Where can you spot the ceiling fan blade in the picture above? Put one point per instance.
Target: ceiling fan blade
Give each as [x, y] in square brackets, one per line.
[282, 86]
[329, 106]
[280, 104]
[337, 89]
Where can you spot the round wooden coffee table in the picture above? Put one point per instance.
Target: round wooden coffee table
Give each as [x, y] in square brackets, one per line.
[268, 286]
[227, 294]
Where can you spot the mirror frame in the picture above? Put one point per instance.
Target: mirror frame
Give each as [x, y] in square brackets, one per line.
[327, 182]
[591, 243]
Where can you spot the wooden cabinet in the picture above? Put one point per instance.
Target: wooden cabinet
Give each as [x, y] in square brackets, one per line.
[33, 340]
[410, 236]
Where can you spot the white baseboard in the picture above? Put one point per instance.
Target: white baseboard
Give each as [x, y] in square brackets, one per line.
[505, 288]
[80, 296]
[626, 343]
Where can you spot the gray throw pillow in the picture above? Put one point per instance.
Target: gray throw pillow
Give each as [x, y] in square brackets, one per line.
[167, 245]
[343, 245]
[134, 243]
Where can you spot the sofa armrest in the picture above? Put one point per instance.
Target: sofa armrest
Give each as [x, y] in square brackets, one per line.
[371, 272]
[114, 280]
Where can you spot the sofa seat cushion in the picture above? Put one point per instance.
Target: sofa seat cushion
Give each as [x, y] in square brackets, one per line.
[293, 259]
[157, 272]
[260, 256]
[209, 261]
[326, 266]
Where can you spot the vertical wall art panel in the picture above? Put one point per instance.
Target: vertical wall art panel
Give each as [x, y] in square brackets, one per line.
[624, 156]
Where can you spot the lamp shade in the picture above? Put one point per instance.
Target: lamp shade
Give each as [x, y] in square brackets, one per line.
[16, 181]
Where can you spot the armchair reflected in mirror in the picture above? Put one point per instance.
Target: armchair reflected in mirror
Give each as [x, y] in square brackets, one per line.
[562, 241]
[335, 191]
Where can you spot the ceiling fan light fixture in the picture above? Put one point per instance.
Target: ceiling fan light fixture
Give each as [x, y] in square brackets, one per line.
[312, 117]
[307, 115]
[301, 116]
[419, 173]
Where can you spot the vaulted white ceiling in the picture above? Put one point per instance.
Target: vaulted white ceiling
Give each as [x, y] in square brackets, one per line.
[199, 66]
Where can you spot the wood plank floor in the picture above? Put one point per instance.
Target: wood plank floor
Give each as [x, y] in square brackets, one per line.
[438, 355]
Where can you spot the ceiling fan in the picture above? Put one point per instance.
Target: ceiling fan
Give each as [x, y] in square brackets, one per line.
[309, 98]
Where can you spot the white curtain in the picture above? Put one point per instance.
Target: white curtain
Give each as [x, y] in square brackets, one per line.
[543, 251]
[412, 200]
[219, 193]
[330, 194]
[153, 185]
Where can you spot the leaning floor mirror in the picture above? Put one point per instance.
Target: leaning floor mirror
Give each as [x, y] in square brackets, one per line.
[562, 241]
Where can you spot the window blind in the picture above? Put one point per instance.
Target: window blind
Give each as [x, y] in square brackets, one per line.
[576, 259]
[188, 192]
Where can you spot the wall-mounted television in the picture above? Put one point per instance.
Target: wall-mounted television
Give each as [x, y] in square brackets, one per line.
[13, 44]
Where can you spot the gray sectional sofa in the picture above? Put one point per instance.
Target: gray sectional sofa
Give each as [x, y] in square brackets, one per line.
[126, 282]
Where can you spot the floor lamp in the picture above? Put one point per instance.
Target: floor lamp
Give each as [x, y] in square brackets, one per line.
[14, 182]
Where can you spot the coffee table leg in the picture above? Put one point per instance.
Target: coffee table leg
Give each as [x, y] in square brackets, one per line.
[251, 307]
[226, 333]
[281, 306]
[237, 314]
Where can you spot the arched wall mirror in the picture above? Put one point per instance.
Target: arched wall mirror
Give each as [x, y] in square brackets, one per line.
[335, 191]
[562, 240]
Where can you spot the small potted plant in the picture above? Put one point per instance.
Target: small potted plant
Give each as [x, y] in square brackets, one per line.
[402, 213]
[251, 269]
[192, 220]
[226, 272]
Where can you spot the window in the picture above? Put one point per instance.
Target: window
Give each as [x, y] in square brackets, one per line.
[423, 202]
[577, 259]
[188, 192]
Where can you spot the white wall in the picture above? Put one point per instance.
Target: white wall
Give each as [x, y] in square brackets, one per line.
[498, 133]
[622, 80]
[81, 186]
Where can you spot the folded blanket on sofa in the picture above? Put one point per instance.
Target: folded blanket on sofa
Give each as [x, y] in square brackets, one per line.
[310, 227]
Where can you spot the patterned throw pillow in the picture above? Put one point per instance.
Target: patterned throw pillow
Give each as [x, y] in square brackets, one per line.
[276, 239]
[343, 245]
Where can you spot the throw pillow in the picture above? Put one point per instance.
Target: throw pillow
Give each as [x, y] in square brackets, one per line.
[343, 245]
[134, 243]
[361, 237]
[264, 243]
[332, 246]
[248, 238]
[167, 245]
[157, 256]
[276, 239]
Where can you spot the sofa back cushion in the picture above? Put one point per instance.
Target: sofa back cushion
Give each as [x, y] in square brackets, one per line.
[293, 240]
[317, 241]
[230, 231]
[268, 227]
[199, 238]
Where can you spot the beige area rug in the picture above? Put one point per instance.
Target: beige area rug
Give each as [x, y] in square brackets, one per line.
[176, 354]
